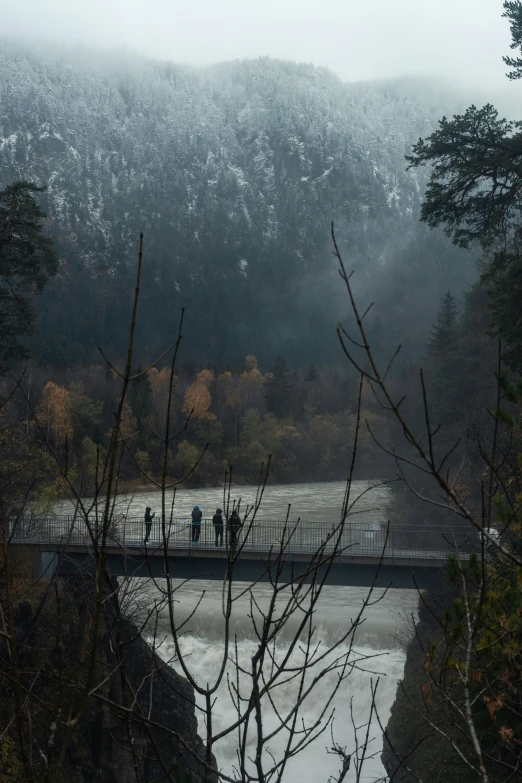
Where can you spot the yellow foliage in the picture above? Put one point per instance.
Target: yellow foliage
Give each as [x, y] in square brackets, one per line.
[205, 377]
[159, 381]
[197, 396]
[234, 399]
[251, 363]
[54, 414]
[197, 400]
[250, 385]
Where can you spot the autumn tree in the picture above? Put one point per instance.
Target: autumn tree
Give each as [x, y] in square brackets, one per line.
[129, 424]
[85, 413]
[159, 381]
[197, 396]
[251, 384]
[54, 414]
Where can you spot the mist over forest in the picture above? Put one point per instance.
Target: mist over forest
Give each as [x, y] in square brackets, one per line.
[233, 173]
[260, 393]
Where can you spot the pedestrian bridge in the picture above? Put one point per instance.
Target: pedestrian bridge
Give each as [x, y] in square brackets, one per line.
[400, 556]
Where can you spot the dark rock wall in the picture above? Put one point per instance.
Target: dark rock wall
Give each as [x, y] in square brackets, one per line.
[412, 751]
[139, 722]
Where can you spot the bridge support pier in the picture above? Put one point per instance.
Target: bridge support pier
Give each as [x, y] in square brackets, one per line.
[47, 564]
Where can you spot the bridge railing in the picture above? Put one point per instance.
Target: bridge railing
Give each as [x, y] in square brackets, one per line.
[357, 538]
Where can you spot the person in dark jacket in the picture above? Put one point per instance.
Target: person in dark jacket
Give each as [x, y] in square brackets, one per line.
[234, 525]
[217, 521]
[197, 516]
[148, 523]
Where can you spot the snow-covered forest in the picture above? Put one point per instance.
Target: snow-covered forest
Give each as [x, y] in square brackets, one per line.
[233, 173]
[263, 287]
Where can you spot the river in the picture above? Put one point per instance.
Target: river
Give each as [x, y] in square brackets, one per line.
[381, 635]
[313, 503]
[380, 638]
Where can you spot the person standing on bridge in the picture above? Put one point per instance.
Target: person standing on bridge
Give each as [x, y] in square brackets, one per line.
[217, 521]
[234, 526]
[197, 516]
[148, 523]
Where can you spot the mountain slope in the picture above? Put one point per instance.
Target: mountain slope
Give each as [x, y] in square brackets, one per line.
[233, 173]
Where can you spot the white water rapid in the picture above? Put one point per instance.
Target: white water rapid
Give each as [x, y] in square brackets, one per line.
[312, 503]
[377, 652]
[378, 639]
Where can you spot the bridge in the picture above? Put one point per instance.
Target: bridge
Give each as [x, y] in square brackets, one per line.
[397, 556]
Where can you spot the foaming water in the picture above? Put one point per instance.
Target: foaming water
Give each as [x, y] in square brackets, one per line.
[338, 607]
[313, 503]
[376, 650]
[376, 653]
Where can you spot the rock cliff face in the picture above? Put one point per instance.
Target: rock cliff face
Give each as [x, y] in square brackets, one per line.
[168, 699]
[162, 722]
[139, 724]
[412, 752]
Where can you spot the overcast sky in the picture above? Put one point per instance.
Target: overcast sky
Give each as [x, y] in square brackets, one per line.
[357, 39]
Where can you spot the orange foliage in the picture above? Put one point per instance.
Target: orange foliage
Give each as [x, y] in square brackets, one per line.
[493, 705]
[197, 396]
[506, 735]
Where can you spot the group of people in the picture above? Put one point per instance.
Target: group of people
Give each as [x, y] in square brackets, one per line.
[218, 520]
[233, 526]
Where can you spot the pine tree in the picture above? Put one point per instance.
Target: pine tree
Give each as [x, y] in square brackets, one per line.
[277, 389]
[140, 401]
[311, 375]
[474, 193]
[27, 261]
[443, 334]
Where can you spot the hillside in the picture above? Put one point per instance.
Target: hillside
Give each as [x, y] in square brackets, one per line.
[233, 173]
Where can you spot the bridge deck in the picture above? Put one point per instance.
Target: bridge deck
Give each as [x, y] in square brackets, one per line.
[399, 550]
[428, 545]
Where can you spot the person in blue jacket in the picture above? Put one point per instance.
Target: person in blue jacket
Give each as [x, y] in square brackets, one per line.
[197, 516]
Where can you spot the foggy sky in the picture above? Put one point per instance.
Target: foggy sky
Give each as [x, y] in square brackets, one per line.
[358, 39]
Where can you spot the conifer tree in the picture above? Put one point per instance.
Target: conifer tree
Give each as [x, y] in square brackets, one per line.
[443, 334]
[474, 193]
[311, 375]
[140, 400]
[27, 261]
[277, 388]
